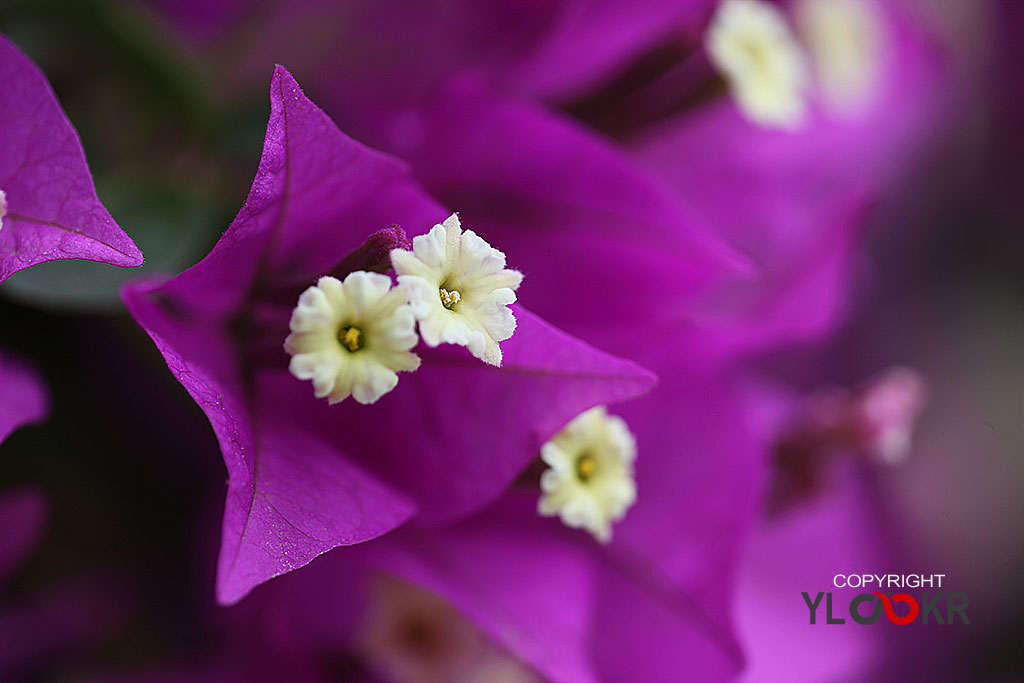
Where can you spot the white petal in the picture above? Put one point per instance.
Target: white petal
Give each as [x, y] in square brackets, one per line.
[373, 381]
[406, 263]
[365, 290]
[430, 248]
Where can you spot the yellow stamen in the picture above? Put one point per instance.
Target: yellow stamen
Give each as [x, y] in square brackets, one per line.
[586, 467]
[351, 337]
[450, 297]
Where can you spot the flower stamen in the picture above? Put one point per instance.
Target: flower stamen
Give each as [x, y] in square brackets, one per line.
[351, 338]
[450, 297]
[585, 467]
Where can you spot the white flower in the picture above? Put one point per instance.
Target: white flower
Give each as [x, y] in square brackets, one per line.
[459, 289]
[750, 42]
[351, 338]
[3, 208]
[590, 483]
[847, 42]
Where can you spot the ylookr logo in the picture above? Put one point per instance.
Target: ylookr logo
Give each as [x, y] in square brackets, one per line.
[932, 608]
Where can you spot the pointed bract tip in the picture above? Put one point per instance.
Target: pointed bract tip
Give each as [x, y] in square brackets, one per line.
[282, 77]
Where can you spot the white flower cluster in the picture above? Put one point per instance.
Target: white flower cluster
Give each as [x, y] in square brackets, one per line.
[352, 338]
[769, 70]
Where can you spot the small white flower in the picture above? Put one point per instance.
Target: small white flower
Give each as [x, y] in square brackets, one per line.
[351, 338]
[847, 42]
[3, 208]
[590, 483]
[751, 43]
[459, 289]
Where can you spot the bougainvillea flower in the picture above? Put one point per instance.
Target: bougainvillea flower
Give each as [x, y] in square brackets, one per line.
[48, 204]
[869, 74]
[558, 194]
[552, 190]
[696, 471]
[305, 476]
[806, 192]
[546, 189]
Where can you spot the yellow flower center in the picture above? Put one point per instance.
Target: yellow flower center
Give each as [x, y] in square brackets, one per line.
[351, 338]
[450, 297]
[586, 467]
